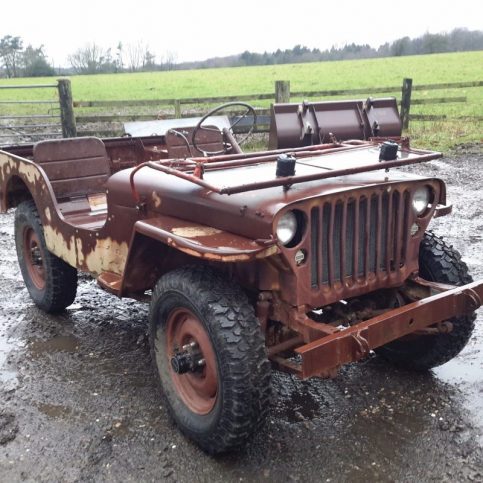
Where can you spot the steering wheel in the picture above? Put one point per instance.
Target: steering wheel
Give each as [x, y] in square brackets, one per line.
[226, 146]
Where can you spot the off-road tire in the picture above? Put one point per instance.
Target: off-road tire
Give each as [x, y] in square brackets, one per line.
[60, 286]
[438, 262]
[243, 395]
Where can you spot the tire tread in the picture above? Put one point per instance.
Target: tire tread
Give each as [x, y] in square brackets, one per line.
[246, 389]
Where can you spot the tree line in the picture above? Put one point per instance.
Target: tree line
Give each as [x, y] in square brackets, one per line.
[17, 61]
[455, 41]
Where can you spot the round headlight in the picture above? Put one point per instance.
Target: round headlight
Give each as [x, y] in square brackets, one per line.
[421, 199]
[287, 227]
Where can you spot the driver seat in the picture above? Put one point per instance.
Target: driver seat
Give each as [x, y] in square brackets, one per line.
[179, 142]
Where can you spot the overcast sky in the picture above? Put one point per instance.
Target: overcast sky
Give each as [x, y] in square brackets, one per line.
[198, 29]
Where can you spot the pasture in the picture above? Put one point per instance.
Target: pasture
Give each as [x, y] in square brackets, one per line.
[356, 74]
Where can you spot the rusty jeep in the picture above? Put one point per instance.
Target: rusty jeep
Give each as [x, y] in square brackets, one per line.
[308, 256]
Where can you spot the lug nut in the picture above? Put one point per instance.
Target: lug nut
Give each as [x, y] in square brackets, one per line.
[191, 345]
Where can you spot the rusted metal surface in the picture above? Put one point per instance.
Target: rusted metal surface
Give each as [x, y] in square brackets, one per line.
[408, 157]
[354, 343]
[197, 388]
[32, 253]
[309, 123]
[99, 241]
[124, 212]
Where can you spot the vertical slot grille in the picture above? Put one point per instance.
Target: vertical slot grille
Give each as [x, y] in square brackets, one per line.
[360, 236]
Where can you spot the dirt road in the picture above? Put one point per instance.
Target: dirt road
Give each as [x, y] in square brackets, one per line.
[78, 400]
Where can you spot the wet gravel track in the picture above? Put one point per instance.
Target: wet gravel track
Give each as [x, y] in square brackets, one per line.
[78, 401]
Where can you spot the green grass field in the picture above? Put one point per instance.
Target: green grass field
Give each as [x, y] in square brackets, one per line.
[427, 69]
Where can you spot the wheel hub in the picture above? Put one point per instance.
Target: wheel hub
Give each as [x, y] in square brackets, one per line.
[192, 360]
[33, 258]
[189, 359]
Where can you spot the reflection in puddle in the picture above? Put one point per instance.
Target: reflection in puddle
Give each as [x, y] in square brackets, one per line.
[303, 405]
[53, 410]
[61, 343]
[8, 376]
[466, 371]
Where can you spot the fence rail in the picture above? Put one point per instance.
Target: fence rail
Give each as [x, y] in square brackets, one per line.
[29, 86]
[281, 93]
[73, 118]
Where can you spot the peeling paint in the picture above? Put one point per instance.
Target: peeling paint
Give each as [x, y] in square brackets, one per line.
[57, 244]
[268, 252]
[156, 199]
[193, 253]
[195, 231]
[30, 171]
[80, 252]
[48, 215]
[107, 256]
[242, 257]
[6, 163]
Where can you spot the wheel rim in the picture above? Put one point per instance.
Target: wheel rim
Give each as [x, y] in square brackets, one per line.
[198, 390]
[33, 257]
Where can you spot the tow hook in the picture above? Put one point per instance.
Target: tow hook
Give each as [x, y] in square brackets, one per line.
[189, 359]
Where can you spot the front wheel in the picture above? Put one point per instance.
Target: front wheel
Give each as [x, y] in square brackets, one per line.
[438, 262]
[210, 357]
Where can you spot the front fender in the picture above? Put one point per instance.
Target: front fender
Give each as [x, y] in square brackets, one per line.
[162, 243]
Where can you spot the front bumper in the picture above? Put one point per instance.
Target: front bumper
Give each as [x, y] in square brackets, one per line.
[323, 356]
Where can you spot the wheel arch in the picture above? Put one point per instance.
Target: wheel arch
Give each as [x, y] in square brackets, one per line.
[16, 192]
[148, 259]
[157, 247]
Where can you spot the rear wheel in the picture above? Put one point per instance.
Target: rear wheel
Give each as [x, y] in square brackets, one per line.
[210, 357]
[52, 283]
[438, 262]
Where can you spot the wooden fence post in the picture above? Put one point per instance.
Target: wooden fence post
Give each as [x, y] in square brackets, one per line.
[282, 91]
[177, 109]
[406, 101]
[67, 117]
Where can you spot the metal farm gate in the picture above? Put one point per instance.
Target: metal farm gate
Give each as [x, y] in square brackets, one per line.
[38, 113]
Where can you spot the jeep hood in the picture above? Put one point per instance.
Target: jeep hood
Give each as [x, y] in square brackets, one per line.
[249, 213]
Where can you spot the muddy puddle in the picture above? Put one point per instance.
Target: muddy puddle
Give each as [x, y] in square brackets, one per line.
[78, 401]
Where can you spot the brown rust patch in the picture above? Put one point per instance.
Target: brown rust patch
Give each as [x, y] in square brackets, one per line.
[195, 231]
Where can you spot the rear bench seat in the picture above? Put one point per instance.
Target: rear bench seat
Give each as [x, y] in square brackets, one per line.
[78, 169]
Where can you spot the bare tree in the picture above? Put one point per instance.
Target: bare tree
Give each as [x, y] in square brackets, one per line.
[168, 60]
[88, 59]
[137, 54]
